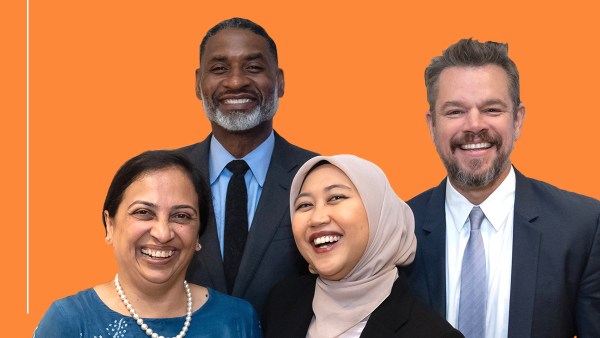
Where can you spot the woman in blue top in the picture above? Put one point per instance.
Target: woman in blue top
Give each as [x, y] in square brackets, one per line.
[153, 213]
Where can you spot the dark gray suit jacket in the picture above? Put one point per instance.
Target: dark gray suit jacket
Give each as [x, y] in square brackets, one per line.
[555, 280]
[270, 253]
[288, 313]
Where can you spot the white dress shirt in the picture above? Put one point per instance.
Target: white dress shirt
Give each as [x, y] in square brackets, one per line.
[497, 233]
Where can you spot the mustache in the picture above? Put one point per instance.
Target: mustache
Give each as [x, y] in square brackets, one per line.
[219, 94]
[483, 136]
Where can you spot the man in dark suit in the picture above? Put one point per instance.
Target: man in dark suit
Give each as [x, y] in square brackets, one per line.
[240, 84]
[524, 253]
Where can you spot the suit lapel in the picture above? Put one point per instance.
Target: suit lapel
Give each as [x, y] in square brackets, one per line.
[272, 208]
[211, 251]
[433, 247]
[526, 246]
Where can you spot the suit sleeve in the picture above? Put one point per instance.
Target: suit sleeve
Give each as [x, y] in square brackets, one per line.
[588, 298]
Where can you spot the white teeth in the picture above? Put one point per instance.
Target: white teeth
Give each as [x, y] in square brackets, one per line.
[157, 253]
[236, 101]
[476, 146]
[326, 239]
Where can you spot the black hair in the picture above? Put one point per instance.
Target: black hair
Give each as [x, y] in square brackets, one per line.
[239, 23]
[150, 161]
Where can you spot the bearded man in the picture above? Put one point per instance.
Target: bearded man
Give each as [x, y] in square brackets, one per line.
[247, 245]
[499, 254]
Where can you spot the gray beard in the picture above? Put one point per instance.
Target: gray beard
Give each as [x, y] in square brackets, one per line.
[240, 120]
[469, 179]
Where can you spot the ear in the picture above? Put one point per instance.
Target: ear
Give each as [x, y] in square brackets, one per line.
[519, 121]
[109, 228]
[199, 84]
[429, 117]
[280, 82]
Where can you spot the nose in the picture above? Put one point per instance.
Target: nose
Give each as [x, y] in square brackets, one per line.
[236, 79]
[319, 216]
[474, 121]
[162, 231]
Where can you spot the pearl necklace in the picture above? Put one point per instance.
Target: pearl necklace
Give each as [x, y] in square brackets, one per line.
[140, 321]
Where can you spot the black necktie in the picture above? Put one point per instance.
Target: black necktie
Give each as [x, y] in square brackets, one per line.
[236, 221]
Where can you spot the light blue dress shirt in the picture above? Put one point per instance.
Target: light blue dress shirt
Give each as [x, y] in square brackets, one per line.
[258, 160]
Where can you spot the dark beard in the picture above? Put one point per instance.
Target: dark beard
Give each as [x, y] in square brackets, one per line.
[468, 179]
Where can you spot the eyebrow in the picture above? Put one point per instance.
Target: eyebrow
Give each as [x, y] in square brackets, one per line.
[249, 57]
[495, 101]
[143, 203]
[253, 56]
[485, 103]
[327, 188]
[175, 207]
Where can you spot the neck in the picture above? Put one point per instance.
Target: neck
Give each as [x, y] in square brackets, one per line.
[477, 195]
[152, 300]
[240, 144]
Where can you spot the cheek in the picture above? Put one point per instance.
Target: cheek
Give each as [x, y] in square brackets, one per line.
[187, 233]
[298, 226]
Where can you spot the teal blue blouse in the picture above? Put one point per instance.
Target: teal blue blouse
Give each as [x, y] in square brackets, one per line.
[85, 315]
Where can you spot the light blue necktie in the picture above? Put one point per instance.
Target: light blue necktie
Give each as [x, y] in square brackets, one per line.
[473, 282]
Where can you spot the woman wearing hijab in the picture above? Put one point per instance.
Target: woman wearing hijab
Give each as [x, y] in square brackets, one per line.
[354, 232]
[153, 213]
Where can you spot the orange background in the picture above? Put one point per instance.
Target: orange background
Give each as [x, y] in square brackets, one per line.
[111, 79]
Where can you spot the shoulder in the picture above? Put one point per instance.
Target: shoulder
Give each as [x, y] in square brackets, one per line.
[431, 197]
[196, 147]
[428, 323]
[226, 316]
[292, 150]
[234, 306]
[293, 285]
[534, 197]
[420, 199]
[289, 307]
[66, 316]
[559, 196]
[410, 316]
[77, 302]
[293, 292]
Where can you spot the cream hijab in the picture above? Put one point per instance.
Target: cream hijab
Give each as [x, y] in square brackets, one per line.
[340, 305]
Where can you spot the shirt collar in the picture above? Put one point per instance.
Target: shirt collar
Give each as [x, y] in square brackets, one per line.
[258, 159]
[497, 207]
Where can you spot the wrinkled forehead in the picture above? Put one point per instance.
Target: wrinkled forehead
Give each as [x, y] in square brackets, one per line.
[236, 42]
[462, 84]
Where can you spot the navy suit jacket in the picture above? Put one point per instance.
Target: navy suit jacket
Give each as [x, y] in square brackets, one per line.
[288, 313]
[270, 253]
[555, 280]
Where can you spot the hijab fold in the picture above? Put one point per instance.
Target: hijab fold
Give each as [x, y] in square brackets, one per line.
[340, 305]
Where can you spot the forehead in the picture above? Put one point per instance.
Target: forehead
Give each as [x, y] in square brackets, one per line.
[167, 181]
[324, 176]
[473, 83]
[234, 42]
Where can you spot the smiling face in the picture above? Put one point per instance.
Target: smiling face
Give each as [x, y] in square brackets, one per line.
[238, 80]
[154, 232]
[474, 128]
[330, 223]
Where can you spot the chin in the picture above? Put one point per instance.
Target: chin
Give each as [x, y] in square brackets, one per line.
[330, 275]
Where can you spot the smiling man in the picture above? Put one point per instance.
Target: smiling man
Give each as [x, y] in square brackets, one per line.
[499, 254]
[248, 245]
